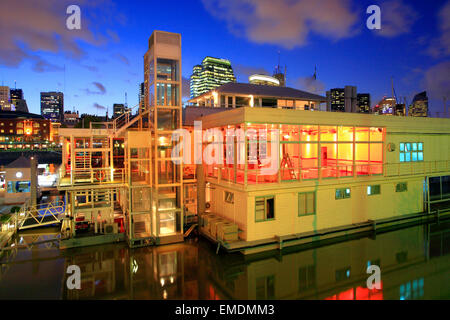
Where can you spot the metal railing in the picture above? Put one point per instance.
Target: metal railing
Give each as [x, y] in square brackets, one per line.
[287, 174]
[90, 176]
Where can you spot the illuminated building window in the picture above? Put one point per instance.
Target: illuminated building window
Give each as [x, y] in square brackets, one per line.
[401, 187]
[19, 125]
[18, 186]
[343, 193]
[373, 190]
[411, 151]
[264, 208]
[229, 197]
[306, 203]
[19, 131]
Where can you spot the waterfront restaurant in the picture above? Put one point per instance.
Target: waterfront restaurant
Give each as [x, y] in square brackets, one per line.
[336, 171]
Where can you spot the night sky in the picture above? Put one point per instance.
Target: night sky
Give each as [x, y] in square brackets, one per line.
[104, 59]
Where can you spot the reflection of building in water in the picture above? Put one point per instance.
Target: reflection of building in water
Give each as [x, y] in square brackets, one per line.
[412, 261]
[339, 271]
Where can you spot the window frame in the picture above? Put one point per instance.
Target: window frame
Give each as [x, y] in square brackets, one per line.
[378, 186]
[265, 198]
[407, 152]
[401, 190]
[226, 195]
[314, 203]
[344, 193]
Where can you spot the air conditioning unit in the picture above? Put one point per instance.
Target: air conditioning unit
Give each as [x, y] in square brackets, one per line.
[110, 228]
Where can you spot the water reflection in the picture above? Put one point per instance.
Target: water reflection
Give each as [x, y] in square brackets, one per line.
[414, 262]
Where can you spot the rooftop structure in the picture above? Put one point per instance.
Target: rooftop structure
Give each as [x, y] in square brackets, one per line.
[263, 79]
[235, 95]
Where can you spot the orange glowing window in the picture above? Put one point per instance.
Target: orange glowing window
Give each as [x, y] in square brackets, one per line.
[289, 133]
[362, 152]
[377, 134]
[328, 133]
[309, 133]
[362, 134]
[345, 134]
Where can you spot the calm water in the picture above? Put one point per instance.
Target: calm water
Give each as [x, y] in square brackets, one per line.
[415, 264]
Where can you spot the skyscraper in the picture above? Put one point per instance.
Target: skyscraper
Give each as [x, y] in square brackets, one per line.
[419, 106]
[363, 102]
[16, 97]
[342, 99]
[212, 73]
[142, 96]
[4, 95]
[52, 106]
[335, 100]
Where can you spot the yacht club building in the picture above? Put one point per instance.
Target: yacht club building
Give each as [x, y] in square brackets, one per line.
[336, 172]
[329, 174]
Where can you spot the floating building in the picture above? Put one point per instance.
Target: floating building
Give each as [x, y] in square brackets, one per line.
[259, 169]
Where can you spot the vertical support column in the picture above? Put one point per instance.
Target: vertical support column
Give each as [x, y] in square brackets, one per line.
[33, 182]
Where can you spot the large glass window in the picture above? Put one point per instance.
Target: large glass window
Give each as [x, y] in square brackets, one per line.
[166, 94]
[167, 69]
[411, 151]
[18, 186]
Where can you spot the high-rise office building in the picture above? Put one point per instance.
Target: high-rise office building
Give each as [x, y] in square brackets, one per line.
[16, 94]
[212, 73]
[195, 81]
[342, 99]
[16, 97]
[52, 106]
[335, 100]
[363, 102]
[419, 106]
[4, 95]
[142, 97]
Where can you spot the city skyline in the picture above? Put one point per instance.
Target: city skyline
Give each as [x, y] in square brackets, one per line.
[94, 69]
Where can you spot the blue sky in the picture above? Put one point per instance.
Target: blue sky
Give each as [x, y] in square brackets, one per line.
[104, 60]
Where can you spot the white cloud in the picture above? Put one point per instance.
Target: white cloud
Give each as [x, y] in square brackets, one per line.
[287, 23]
[396, 18]
[440, 46]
